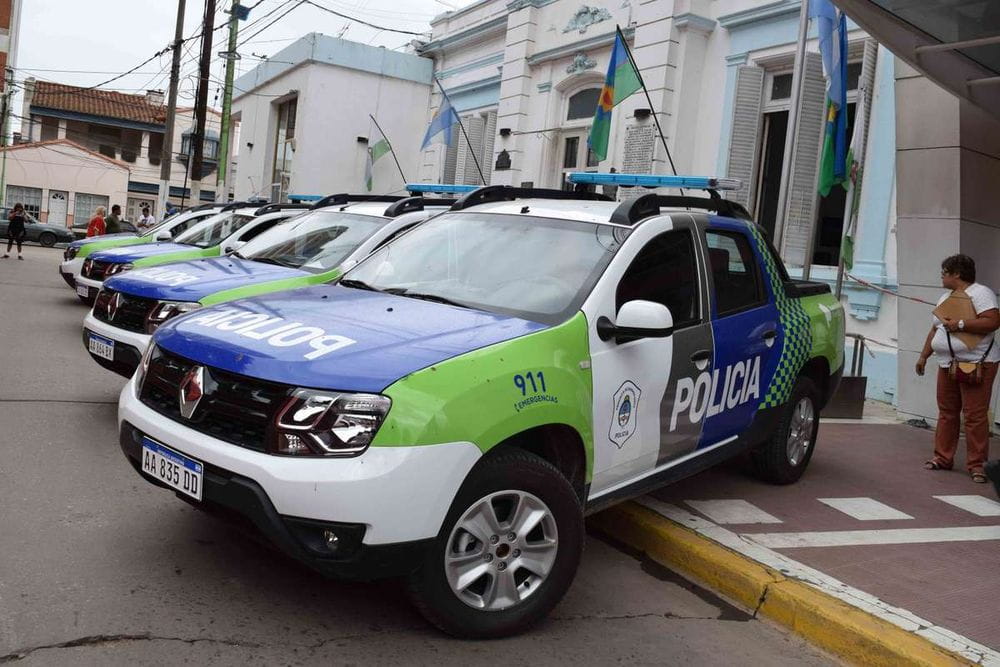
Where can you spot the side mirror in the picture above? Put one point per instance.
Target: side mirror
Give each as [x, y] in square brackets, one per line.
[164, 236]
[234, 246]
[637, 319]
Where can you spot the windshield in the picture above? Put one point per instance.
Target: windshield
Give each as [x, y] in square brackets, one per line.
[178, 217]
[210, 232]
[538, 269]
[316, 241]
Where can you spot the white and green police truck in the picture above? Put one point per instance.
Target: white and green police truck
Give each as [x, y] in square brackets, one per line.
[454, 406]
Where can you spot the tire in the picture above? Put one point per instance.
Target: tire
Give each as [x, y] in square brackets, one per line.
[500, 484]
[47, 239]
[784, 457]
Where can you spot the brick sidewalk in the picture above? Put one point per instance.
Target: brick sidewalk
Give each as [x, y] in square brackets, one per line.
[881, 526]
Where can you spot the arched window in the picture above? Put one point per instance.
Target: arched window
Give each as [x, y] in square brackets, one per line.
[583, 104]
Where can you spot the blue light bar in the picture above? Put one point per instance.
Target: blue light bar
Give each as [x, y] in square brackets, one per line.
[655, 181]
[440, 188]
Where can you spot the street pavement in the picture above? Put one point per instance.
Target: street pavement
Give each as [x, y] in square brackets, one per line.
[99, 567]
[867, 514]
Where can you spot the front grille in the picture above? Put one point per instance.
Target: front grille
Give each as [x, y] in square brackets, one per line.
[131, 313]
[233, 408]
[95, 269]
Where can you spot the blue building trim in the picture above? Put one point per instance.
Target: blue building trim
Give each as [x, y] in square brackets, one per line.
[97, 120]
[475, 95]
[465, 36]
[494, 59]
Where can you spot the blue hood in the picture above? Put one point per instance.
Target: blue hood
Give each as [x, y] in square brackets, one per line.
[332, 337]
[93, 239]
[130, 253]
[194, 280]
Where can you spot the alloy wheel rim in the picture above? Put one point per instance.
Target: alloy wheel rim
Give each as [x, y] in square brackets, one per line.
[800, 431]
[501, 550]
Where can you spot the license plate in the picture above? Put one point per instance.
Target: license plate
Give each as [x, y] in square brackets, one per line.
[101, 346]
[172, 468]
[83, 291]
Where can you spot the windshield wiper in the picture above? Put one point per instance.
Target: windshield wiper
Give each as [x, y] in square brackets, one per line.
[268, 260]
[436, 298]
[358, 284]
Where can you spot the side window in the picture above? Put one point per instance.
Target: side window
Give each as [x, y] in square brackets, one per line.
[665, 271]
[260, 229]
[734, 272]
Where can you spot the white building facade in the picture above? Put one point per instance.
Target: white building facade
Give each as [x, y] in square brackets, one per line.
[304, 118]
[525, 75]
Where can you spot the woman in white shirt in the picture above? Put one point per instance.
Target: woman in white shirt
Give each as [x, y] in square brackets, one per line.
[956, 399]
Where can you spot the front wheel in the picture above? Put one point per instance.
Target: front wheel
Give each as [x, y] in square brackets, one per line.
[507, 552]
[784, 457]
[47, 239]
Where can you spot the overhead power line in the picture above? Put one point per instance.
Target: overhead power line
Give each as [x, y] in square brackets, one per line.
[362, 22]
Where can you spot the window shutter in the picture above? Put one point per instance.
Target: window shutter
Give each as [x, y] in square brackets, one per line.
[489, 137]
[451, 156]
[802, 194]
[744, 143]
[465, 167]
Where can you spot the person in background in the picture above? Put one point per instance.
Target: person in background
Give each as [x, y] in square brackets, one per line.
[145, 220]
[957, 399]
[96, 225]
[15, 230]
[112, 223]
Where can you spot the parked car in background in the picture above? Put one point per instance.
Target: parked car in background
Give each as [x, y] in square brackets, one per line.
[80, 229]
[37, 232]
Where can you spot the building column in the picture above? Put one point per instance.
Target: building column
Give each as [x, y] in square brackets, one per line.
[516, 91]
[61, 131]
[143, 146]
[693, 31]
[947, 168]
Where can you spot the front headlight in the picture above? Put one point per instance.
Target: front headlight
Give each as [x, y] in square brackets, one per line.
[117, 268]
[164, 310]
[70, 253]
[316, 423]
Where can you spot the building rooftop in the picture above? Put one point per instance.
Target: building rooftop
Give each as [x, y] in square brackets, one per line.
[106, 103]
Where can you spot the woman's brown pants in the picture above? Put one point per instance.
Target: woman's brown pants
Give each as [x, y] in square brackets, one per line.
[973, 400]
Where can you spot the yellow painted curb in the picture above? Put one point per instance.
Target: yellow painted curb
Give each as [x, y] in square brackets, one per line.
[826, 621]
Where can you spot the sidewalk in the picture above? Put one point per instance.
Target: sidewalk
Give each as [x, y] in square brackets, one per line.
[866, 516]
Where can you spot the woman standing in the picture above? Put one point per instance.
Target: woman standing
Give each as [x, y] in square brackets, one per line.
[959, 395]
[96, 225]
[15, 230]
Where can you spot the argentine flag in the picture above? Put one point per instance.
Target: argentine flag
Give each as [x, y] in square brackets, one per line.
[442, 121]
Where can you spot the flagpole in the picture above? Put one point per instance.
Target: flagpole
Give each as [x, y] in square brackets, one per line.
[649, 100]
[391, 149]
[472, 151]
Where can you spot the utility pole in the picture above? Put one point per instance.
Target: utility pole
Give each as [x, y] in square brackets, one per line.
[201, 102]
[223, 177]
[4, 122]
[167, 152]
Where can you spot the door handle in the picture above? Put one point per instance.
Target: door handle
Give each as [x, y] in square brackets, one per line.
[701, 355]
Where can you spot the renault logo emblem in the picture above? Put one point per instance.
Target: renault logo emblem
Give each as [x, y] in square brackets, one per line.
[191, 390]
[113, 303]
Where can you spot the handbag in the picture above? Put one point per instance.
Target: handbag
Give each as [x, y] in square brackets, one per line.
[967, 372]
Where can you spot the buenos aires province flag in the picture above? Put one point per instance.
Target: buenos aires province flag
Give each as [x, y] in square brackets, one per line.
[622, 80]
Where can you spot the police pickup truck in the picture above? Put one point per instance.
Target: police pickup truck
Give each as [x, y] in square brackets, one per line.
[79, 250]
[450, 410]
[217, 235]
[311, 249]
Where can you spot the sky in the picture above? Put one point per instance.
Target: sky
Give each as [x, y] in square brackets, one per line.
[86, 43]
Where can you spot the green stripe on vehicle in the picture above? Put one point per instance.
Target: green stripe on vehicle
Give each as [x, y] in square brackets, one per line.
[110, 243]
[255, 289]
[476, 397]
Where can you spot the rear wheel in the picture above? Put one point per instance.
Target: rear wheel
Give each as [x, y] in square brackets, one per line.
[507, 552]
[784, 457]
[47, 239]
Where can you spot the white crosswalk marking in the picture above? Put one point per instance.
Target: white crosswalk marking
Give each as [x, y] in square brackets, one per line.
[865, 509]
[845, 538]
[978, 505]
[732, 511]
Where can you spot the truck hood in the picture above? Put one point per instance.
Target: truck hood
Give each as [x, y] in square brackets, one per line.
[194, 280]
[332, 337]
[133, 252]
[79, 243]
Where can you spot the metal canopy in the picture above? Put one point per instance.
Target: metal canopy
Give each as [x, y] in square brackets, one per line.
[955, 43]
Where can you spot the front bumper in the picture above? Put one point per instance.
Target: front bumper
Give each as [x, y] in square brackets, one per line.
[92, 286]
[129, 346]
[70, 271]
[399, 495]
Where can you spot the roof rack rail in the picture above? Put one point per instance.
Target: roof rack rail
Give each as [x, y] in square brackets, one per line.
[232, 206]
[274, 208]
[495, 193]
[411, 204]
[200, 207]
[342, 198]
[634, 210]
